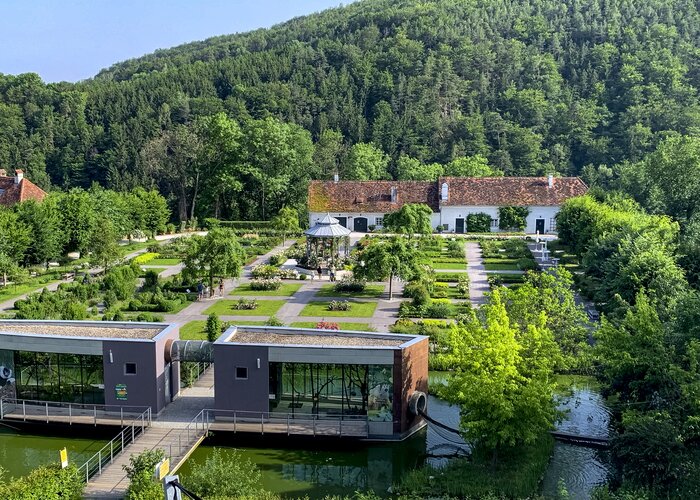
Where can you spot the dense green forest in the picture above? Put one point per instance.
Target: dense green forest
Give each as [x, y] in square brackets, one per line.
[376, 89]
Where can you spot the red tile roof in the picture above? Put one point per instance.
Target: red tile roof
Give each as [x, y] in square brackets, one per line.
[11, 193]
[511, 191]
[375, 196]
[369, 196]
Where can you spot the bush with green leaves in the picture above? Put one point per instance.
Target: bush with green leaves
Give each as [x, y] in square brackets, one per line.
[526, 264]
[512, 218]
[245, 304]
[142, 485]
[273, 321]
[121, 280]
[150, 280]
[479, 223]
[265, 284]
[455, 248]
[44, 482]
[463, 286]
[288, 274]
[276, 260]
[439, 309]
[350, 285]
[214, 327]
[339, 305]
[225, 474]
[264, 271]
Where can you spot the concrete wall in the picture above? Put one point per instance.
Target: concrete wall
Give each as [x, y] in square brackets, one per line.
[141, 388]
[546, 213]
[411, 368]
[251, 394]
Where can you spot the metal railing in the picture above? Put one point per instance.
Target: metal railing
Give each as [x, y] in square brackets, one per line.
[116, 446]
[78, 413]
[290, 423]
[190, 375]
[198, 427]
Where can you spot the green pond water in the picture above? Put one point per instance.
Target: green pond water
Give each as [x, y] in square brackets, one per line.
[299, 467]
[20, 453]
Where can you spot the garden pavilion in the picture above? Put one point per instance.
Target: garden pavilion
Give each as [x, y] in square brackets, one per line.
[324, 241]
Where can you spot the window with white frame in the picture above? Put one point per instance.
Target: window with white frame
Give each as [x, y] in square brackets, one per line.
[494, 223]
[379, 221]
[553, 224]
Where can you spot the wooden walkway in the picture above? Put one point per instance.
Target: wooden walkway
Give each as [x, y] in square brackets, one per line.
[112, 483]
[591, 441]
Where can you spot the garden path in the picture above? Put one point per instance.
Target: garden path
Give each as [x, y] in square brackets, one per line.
[478, 282]
[9, 304]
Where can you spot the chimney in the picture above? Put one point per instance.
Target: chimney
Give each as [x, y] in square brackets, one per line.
[336, 177]
[550, 181]
[19, 175]
[394, 194]
[3, 172]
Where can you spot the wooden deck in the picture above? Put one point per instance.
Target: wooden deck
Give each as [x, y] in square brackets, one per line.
[326, 428]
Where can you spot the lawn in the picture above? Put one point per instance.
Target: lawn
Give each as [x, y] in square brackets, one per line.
[163, 262]
[196, 330]
[357, 310]
[449, 265]
[286, 290]
[373, 291]
[156, 269]
[14, 291]
[503, 265]
[362, 327]
[265, 308]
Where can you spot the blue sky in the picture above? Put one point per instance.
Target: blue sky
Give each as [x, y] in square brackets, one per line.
[73, 39]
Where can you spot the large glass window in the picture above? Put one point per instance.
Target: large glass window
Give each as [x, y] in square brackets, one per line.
[332, 389]
[71, 378]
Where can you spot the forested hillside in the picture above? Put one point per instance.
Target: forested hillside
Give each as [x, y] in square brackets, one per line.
[384, 88]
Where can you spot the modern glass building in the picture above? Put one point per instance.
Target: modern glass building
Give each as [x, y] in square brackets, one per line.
[71, 378]
[298, 373]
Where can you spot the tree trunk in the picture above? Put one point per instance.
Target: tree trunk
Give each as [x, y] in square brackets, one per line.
[494, 459]
[194, 195]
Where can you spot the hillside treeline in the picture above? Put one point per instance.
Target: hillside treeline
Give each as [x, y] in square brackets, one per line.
[530, 86]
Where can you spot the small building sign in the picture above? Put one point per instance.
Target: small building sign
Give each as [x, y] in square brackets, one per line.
[162, 469]
[64, 458]
[120, 392]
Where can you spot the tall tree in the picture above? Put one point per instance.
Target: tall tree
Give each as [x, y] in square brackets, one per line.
[216, 255]
[388, 259]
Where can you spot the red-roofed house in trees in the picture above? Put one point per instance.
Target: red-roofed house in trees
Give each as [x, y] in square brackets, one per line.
[360, 204]
[15, 189]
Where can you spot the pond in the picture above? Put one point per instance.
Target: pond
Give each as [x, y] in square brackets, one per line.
[298, 467]
[20, 453]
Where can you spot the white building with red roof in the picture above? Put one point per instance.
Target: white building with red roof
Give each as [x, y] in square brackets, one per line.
[358, 205]
[15, 189]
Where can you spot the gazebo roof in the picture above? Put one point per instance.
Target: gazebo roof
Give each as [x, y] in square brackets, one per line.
[328, 227]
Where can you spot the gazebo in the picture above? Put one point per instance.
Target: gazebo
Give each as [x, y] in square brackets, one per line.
[323, 242]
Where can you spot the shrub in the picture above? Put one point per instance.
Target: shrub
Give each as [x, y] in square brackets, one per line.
[463, 286]
[327, 325]
[512, 218]
[121, 280]
[47, 481]
[421, 296]
[110, 299]
[266, 284]
[150, 279]
[273, 321]
[440, 291]
[144, 258]
[350, 285]
[276, 260]
[339, 305]
[150, 317]
[526, 264]
[288, 274]
[170, 228]
[225, 477]
[245, 304]
[439, 309]
[455, 249]
[264, 271]
[479, 223]
[213, 327]
[142, 486]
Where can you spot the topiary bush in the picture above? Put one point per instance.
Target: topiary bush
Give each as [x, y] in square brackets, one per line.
[439, 309]
[479, 223]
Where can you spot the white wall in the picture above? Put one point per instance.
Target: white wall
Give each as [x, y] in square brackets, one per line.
[448, 215]
[371, 217]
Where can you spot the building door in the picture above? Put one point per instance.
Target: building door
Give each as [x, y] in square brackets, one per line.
[343, 221]
[459, 225]
[360, 224]
[539, 226]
